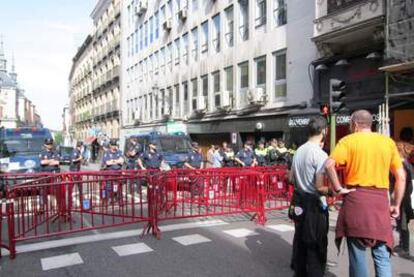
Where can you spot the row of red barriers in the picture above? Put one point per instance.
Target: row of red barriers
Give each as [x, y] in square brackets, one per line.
[41, 206]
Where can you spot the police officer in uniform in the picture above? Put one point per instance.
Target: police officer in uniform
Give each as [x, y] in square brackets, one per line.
[77, 158]
[261, 154]
[150, 159]
[228, 155]
[194, 159]
[133, 153]
[49, 157]
[245, 157]
[113, 159]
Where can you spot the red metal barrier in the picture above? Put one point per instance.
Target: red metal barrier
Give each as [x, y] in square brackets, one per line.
[75, 202]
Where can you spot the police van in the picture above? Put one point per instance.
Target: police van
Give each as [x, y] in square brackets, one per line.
[174, 147]
[20, 148]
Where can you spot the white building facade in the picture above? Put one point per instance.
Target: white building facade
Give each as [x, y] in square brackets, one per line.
[218, 70]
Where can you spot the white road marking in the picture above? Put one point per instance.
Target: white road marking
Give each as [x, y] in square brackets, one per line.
[132, 249]
[25, 248]
[61, 261]
[191, 239]
[240, 233]
[281, 227]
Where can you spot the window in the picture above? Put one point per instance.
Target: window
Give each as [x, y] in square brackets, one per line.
[177, 7]
[132, 38]
[141, 39]
[216, 87]
[229, 79]
[162, 92]
[156, 62]
[170, 9]
[260, 13]
[194, 94]
[185, 48]
[280, 12]
[150, 65]
[204, 38]
[151, 23]
[204, 80]
[261, 72]
[280, 74]
[244, 19]
[195, 5]
[177, 101]
[162, 59]
[129, 46]
[244, 75]
[136, 41]
[216, 33]
[229, 26]
[169, 56]
[194, 50]
[185, 91]
[163, 16]
[146, 34]
[150, 110]
[157, 25]
[177, 51]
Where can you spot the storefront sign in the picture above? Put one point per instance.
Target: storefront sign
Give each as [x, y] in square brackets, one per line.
[341, 119]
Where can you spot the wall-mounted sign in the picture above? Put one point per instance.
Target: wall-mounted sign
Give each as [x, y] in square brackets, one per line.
[234, 138]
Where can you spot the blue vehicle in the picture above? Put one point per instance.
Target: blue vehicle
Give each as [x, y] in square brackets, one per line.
[173, 147]
[20, 148]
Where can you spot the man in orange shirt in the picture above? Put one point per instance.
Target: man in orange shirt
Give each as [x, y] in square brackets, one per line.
[365, 218]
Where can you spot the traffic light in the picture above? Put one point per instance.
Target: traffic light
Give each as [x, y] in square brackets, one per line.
[324, 109]
[336, 95]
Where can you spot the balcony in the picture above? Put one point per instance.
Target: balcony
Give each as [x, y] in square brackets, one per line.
[347, 21]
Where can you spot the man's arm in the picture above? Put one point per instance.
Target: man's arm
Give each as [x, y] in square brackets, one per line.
[398, 193]
[239, 161]
[140, 163]
[330, 168]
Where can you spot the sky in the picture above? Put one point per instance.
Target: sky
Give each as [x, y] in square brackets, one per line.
[44, 36]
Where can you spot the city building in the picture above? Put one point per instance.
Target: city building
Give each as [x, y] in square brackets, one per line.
[350, 37]
[94, 78]
[66, 124]
[218, 70]
[15, 109]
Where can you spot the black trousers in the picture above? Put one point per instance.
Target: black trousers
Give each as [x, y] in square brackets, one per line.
[310, 242]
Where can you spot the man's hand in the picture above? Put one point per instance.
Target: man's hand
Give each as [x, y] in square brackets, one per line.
[395, 211]
[344, 191]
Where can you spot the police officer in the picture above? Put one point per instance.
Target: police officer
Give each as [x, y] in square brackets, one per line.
[113, 158]
[150, 159]
[194, 159]
[49, 157]
[133, 153]
[228, 155]
[76, 158]
[245, 157]
[261, 154]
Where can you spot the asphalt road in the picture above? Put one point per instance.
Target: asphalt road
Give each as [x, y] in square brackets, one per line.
[223, 246]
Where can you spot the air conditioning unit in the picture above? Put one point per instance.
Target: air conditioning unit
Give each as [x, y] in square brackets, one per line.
[183, 14]
[256, 96]
[141, 8]
[201, 103]
[167, 25]
[225, 99]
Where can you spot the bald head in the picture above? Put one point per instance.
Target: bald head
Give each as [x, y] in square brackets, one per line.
[362, 118]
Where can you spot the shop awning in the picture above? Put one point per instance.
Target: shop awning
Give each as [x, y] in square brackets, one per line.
[89, 140]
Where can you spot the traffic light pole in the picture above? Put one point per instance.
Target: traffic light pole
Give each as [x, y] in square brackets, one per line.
[332, 138]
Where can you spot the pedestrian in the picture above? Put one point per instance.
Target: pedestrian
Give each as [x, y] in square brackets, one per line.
[405, 145]
[113, 159]
[133, 153]
[210, 154]
[272, 153]
[228, 155]
[245, 157]
[194, 159]
[364, 219]
[49, 157]
[217, 158]
[76, 159]
[150, 159]
[261, 154]
[310, 210]
[406, 209]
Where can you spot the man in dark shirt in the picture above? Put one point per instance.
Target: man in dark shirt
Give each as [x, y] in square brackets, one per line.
[150, 159]
[194, 159]
[49, 157]
[133, 153]
[228, 155]
[246, 157]
[113, 158]
[77, 158]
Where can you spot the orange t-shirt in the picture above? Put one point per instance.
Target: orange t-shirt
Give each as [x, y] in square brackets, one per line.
[368, 159]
